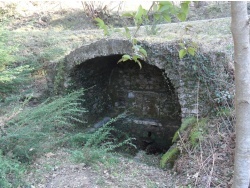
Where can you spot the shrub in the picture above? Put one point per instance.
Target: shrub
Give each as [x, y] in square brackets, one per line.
[10, 173]
[37, 130]
[97, 144]
[88, 155]
[106, 137]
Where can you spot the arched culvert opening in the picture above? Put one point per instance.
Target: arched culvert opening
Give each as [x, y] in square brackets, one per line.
[146, 94]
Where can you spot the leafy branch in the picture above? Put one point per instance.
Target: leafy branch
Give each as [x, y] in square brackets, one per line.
[161, 10]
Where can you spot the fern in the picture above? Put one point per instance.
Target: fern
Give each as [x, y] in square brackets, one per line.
[194, 136]
[169, 157]
[10, 172]
[185, 124]
[104, 137]
[39, 126]
[197, 131]
[100, 142]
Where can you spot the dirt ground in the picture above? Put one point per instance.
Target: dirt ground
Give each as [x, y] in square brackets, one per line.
[55, 170]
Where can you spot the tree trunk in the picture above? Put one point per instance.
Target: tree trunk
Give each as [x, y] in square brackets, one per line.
[240, 31]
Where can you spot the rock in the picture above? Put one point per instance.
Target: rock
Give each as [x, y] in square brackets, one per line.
[102, 122]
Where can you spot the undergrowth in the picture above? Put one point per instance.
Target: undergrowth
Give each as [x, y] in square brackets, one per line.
[185, 139]
[11, 172]
[11, 74]
[38, 130]
[96, 145]
[191, 130]
[169, 157]
[186, 122]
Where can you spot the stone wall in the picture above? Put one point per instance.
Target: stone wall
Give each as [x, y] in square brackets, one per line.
[157, 97]
[162, 55]
[146, 95]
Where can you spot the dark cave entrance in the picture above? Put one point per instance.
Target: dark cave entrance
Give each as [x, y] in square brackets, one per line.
[146, 94]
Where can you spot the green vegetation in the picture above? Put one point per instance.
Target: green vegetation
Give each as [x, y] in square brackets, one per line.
[189, 134]
[97, 144]
[191, 129]
[37, 130]
[106, 137]
[11, 172]
[169, 157]
[12, 75]
[197, 131]
[185, 124]
[224, 112]
[59, 78]
[31, 132]
[160, 11]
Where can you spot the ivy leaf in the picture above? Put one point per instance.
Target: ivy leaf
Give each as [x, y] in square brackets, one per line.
[124, 58]
[100, 22]
[164, 8]
[167, 17]
[135, 57]
[182, 16]
[182, 45]
[191, 50]
[182, 53]
[162, 3]
[139, 13]
[155, 7]
[185, 7]
[134, 41]
[136, 48]
[127, 33]
[157, 16]
[128, 14]
[137, 61]
[102, 25]
[194, 67]
[143, 51]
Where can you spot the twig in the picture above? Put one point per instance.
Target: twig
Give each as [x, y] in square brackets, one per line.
[212, 169]
[197, 102]
[183, 144]
[139, 26]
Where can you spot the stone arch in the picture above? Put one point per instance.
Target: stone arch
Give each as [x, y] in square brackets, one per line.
[162, 55]
[146, 95]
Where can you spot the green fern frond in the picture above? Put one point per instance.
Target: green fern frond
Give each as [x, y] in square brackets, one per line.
[169, 157]
[185, 124]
